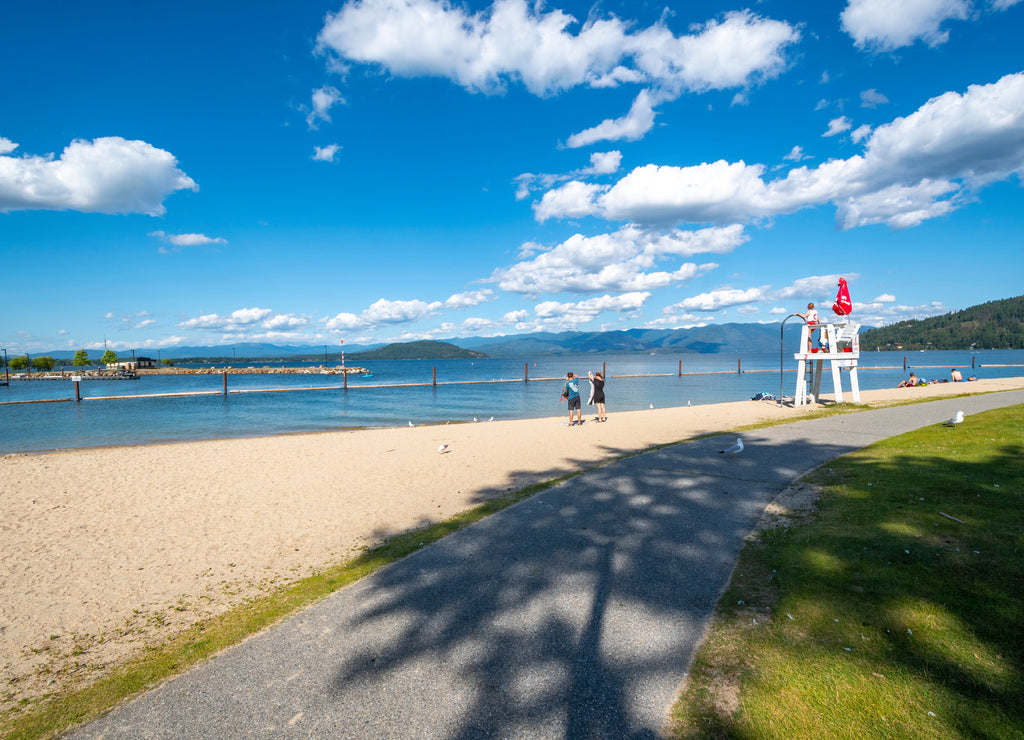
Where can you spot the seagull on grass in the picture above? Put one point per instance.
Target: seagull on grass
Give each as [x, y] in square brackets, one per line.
[734, 450]
[955, 421]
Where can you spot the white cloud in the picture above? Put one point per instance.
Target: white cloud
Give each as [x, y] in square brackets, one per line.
[704, 193]
[185, 240]
[325, 153]
[107, 175]
[916, 167]
[516, 41]
[885, 25]
[571, 200]
[1003, 4]
[838, 126]
[324, 99]
[626, 260]
[860, 133]
[244, 319]
[469, 299]
[630, 127]
[384, 313]
[718, 299]
[796, 154]
[570, 315]
[872, 99]
[604, 163]
[7, 146]
[885, 298]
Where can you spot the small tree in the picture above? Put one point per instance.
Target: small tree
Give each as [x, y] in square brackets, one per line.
[167, 362]
[81, 358]
[109, 357]
[19, 363]
[44, 363]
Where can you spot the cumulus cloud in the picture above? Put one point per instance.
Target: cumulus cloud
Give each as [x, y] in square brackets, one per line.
[324, 99]
[884, 25]
[837, 126]
[325, 153]
[718, 299]
[515, 42]
[249, 324]
[796, 154]
[601, 163]
[179, 241]
[469, 299]
[630, 127]
[106, 175]
[383, 313]
[872, 99]
[626, 260]
[914, 168]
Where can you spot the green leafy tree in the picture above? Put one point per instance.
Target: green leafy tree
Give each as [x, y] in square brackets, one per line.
[19, 363]
[109, 357]
[44, 363]
[167, 361]
[81, 358]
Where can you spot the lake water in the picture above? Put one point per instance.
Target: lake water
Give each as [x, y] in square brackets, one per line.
[319, 403]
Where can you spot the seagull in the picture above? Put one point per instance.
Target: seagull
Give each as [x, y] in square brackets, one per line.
[734, 450]
[474, 418]
[411, 424]
[442, 449]
[491, 419]
[652, 405]
[956, 420]
[688, 403]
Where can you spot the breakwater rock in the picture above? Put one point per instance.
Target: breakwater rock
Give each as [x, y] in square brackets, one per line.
[316, 370]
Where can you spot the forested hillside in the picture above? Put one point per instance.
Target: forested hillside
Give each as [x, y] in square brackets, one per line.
[993, 325]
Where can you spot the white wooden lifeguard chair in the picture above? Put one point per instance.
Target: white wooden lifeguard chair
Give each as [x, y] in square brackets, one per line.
[839, 344]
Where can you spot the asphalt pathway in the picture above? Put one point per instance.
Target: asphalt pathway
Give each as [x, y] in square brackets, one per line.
[574, 614]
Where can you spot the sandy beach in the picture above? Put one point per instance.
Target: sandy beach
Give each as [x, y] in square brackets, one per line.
[106, 550]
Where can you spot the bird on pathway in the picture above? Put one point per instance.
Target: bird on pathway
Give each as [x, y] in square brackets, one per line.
[734, 450]
[955, 421]
[443, 448]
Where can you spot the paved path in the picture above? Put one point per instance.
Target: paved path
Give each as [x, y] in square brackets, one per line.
[574, 614]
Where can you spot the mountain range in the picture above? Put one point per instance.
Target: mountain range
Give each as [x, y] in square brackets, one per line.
[717, 338]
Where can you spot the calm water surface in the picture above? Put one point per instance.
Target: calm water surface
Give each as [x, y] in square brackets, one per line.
[319, 403]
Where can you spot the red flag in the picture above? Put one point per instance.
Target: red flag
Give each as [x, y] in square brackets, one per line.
[843, 305]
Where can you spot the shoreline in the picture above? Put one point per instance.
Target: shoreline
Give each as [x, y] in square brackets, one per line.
[111, 549]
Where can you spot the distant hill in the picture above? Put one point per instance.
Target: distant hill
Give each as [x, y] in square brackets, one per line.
[717, 338]
[992, 325]
[426, 350]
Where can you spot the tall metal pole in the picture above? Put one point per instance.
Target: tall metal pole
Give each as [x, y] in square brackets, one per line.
[7, 370]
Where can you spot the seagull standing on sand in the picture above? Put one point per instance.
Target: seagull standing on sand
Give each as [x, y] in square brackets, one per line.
[411, 424]
[734, 450]
[955, 421]
[442, 449]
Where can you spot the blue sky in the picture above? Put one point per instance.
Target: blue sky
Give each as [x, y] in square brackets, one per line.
[389, 170]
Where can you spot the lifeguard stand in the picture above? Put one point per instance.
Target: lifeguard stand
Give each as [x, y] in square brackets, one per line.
[839, 344]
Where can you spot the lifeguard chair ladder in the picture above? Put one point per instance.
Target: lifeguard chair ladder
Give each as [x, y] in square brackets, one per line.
[839, 344]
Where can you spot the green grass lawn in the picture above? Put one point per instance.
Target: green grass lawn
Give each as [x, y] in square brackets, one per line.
[878, 616]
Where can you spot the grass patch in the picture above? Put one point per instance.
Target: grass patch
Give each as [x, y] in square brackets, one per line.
[880, 617]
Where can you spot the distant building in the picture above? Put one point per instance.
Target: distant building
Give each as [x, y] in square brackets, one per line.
[139, 363]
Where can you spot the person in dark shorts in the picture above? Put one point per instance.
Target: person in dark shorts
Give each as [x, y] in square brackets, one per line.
[597, 380]
[571, 392]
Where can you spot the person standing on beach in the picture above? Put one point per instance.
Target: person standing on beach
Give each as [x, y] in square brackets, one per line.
[597, 382]
[571, 392]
